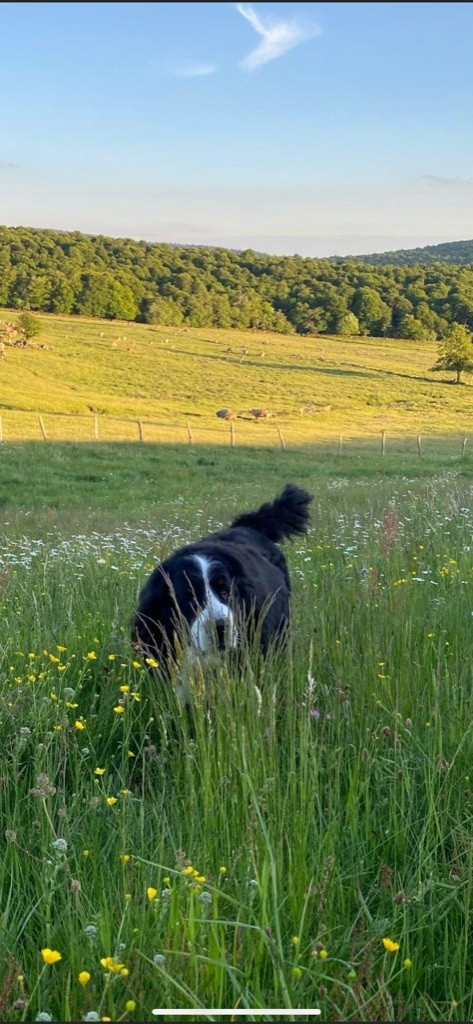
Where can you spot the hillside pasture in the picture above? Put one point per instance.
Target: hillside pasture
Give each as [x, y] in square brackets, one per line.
[102, 376]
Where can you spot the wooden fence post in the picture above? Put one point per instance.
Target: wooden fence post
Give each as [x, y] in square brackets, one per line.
[43, 428]
[96, 427]
[189, 433]
[419, 449]
[281, 439]
[340, 444]
[232, 435]
[465, 439]
[140, 430]
[383, 442]
[1, 429]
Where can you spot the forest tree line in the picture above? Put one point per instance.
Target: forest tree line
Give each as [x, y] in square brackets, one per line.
[118, 278]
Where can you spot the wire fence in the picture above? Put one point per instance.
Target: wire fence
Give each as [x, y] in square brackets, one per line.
[17, 425]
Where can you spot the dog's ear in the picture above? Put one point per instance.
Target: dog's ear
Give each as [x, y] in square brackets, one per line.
[151, 619]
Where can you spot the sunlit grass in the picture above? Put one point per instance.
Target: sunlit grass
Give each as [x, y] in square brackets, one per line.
[98, 376]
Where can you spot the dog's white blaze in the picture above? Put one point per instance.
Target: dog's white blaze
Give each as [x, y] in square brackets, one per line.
[213, 611]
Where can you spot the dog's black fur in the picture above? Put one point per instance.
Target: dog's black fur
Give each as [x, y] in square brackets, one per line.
[239, 571]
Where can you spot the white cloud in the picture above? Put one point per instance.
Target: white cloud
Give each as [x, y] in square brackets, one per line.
[277, 37]
[194, 70]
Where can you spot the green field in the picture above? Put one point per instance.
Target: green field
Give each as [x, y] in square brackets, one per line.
[325, 802]
[98, 375]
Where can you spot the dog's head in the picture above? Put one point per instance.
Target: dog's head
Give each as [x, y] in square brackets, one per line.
[190, 600]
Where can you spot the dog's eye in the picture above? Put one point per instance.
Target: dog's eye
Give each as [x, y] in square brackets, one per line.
[220, 585]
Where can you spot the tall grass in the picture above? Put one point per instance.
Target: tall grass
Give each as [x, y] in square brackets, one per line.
[321, 803]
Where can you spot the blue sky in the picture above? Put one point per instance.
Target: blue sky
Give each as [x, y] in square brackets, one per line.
[311, 128]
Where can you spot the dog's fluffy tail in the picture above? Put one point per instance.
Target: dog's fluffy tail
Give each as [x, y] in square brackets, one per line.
[284, 517]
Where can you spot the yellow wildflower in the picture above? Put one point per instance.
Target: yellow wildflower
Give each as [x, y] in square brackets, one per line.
[83, 978]
[79, 725]
[119, 710]
[124, 689]
[151, 893]
[125, 857]
[111, 800]
[151, 662]
[91, 656]
[111, 964]
[136, 664]
[130, 1005]
[60, 648]
[390, 945]
[50, 956]
[99, 771]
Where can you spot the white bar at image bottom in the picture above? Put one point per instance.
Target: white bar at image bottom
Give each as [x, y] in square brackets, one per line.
[236, 1013]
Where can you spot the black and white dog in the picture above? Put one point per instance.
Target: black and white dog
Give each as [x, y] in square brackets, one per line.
[208, 595]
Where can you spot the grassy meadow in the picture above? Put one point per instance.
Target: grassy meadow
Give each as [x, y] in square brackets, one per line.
[102, 375]
[309, 844]
[325, 802]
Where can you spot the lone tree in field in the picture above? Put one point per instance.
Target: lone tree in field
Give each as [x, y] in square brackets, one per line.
[29, 325]
[456, 352]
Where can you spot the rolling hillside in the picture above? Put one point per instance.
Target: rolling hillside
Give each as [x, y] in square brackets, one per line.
[96, 376]
[457, 253]
[124, 279]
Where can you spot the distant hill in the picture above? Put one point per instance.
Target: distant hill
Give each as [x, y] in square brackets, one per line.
[458, 253]
[415, 294]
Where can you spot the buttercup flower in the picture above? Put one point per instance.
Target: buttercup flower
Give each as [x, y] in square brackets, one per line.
[110, 964]
[151, 893]
[83, 978]
[50, 956]
[390, 945]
